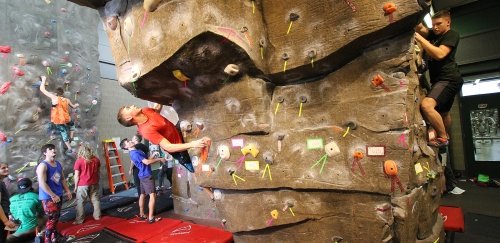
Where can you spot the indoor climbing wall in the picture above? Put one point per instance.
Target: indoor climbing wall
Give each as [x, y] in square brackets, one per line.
[312, 108]
[56, 39]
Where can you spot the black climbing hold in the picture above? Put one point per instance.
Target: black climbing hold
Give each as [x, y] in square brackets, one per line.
[294, 16]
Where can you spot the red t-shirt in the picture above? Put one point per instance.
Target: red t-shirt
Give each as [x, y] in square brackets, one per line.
[89, 172]
[158, 127]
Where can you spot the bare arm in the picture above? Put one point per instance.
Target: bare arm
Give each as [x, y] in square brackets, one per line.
[436, 52]
[172, 148]
[52, 96]
[73, 105]
[5, 219]
[76, 178]
[152, 161]
[66, 188]
[422, 30]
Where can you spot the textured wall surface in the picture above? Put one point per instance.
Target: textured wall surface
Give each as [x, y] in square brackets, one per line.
[300, 132]
[63, 35]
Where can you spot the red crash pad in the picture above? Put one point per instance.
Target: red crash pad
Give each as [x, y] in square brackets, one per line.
[192, 233]
[141, 230]
[88, 227]
[454, 218]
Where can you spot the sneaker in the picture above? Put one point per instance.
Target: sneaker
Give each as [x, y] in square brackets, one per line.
[153, 220]
[438, 142]
[457, 191]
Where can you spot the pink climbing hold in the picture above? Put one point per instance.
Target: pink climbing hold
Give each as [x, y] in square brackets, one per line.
[3, 138]
[5, 50]
[4, 88]
[18, 72]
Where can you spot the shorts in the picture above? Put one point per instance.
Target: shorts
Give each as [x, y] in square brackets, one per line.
[444, 93]
[63, 129]
[147, 185]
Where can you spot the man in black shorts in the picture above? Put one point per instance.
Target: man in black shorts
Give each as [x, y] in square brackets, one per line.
[440, 44]
[146, 178]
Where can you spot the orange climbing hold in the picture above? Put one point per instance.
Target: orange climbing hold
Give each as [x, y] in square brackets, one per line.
[377, 80]
[358, 155]
[390, 168]
[204, 150]
[389, 8]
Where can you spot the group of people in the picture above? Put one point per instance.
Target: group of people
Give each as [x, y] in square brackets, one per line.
[153, 125]
[27, 212]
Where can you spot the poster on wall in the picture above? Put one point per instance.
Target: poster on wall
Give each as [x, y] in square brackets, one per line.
[485, 134]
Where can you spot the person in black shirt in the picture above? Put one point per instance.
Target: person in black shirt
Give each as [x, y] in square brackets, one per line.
[4, 203]
[440, 44]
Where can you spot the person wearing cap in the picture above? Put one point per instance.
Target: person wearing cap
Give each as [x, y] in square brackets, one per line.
[27, 209]
[4, 203]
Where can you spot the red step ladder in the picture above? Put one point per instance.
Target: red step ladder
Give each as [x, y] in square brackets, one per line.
[116, 174]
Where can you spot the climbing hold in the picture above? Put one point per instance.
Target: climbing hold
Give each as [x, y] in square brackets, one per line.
[262, 44]
[377, 81]
[281, 137]
[351, 125]
[279, 100]
[185, 127]
[180, 76]
[223, 152]
[357, 156]
[275, 214]
[332, 149]
[18, 72]
[390, 168]
[312, 54]
[5, 50]
[293, 17]
[302, 100]
[389, 8]
[268, 157]
[250, 149]
[232, 69]
[5, 87]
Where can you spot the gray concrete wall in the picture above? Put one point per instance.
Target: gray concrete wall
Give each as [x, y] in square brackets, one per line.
[59, 33]
[114, 96]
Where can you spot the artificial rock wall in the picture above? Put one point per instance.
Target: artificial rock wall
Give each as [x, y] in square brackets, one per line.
[56, 39]
[323, 95]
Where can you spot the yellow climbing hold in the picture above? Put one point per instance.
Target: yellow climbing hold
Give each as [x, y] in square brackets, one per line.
[180, 76]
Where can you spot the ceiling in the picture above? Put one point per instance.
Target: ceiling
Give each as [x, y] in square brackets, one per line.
[448, 4]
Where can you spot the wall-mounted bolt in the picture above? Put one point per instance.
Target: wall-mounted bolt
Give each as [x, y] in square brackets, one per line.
[311, 54]
[262, 42]
[351, 125]
[285, 56]
[294, 17]
[243, 29]
[280, 99]
[303, 99]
